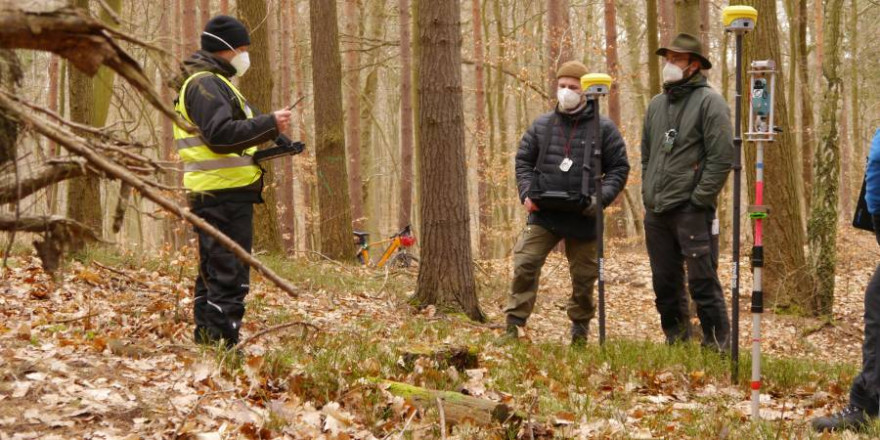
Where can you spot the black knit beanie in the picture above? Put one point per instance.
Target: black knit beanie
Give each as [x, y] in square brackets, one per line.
[229, 29]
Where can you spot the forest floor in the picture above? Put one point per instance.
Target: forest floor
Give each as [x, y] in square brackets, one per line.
[106, 353]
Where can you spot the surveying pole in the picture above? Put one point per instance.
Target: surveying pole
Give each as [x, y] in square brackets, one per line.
[739, 20]
[596, 85]
[761, 129]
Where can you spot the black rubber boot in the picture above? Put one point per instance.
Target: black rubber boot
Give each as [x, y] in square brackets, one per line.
[852, 417]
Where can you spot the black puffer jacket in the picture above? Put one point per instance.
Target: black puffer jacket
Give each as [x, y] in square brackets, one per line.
[215, 109]
[578, 126]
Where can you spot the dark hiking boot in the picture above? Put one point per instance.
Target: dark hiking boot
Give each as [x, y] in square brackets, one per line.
[511, 334]
[579, 332]
[852, 417]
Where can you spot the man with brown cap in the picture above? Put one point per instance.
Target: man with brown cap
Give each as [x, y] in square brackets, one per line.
[687, 152]
[220, 176]
[551, 172]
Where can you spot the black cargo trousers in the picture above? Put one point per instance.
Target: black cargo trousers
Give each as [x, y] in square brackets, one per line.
[223, 279]
[865, 391]
[684, 236]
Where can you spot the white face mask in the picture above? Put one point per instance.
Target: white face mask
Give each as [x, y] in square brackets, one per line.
[672, 73]
[568, 99]
[241, 61]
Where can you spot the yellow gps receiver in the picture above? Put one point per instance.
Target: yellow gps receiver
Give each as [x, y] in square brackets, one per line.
[739, 18]
[596, 83]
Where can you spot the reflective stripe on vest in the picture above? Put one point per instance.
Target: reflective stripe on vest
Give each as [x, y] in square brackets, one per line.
[205, 170]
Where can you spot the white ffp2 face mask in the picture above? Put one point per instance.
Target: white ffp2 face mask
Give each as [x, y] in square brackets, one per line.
[672, 73]
[568, 99]
[241, 62]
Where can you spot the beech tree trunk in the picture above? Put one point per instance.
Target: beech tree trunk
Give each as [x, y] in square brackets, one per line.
[406, 116]
[822, 227]
[558, 40]
[807, 126]
[352, 112]
[653, 45]
[446, 276]
[333, 199]
[480, 132]
[667, 21]
[190, 28]
[256, 86]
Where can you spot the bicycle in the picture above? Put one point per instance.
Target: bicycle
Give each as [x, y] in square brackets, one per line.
[396, 255]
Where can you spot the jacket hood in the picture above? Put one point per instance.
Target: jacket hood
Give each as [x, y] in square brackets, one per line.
[684, 87]
[201, 61]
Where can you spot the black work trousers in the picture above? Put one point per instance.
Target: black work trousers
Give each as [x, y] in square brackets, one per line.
[676, 238]
[223, 280]
[865, 391]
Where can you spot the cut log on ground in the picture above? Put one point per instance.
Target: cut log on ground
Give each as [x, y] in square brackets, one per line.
[462, 357]
[458, 408]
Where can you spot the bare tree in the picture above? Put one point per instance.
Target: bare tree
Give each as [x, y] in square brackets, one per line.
[822, 226]
[257, 87]
[406, 116]
[333, 199]
[446, 274]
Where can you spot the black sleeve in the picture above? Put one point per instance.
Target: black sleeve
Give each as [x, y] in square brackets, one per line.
[615, 164]
[209, 103]
[526, 156]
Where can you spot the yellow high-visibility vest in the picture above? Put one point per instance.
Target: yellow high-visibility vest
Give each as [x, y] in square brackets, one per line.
[205, 170]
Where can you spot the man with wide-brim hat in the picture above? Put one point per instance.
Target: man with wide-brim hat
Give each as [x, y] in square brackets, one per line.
[687, 153]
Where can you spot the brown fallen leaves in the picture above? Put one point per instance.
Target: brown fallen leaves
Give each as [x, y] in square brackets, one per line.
[105, 353]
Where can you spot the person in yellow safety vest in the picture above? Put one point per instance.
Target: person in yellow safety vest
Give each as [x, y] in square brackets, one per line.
[220, 176]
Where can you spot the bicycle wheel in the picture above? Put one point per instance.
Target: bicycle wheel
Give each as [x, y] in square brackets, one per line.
[403, 260]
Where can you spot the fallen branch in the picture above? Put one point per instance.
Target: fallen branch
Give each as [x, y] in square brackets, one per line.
[442, 418]
[45, 223]
[79, 38]
[261, 333]
[80, 147]
[44, 175]
[458, 407]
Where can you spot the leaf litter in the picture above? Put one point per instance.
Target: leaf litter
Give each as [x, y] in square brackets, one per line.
[105, 353]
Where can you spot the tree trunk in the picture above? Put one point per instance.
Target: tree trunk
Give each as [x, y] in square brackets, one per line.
[257, 87]
[611, 60]
[667, 21]
[379, 208]
[822, 227]
[205, 11]
[306, 179]
[224, 6]
[406, 116]
[784, 260]
[480, 131]
[87, 105]
[859, 153]
[54, 80]
[558, 39]
[353, 111]
[687, 17]
[190, 27]
[446, 276]
[808, 129]
[499, 155]
[333, 200]
[10, 76]
[705, 25]
[653, 45]
[286, 193]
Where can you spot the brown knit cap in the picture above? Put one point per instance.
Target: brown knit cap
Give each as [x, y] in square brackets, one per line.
[573, 69]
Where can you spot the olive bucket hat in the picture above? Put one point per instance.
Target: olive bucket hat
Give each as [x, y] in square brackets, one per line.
[686, 43]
